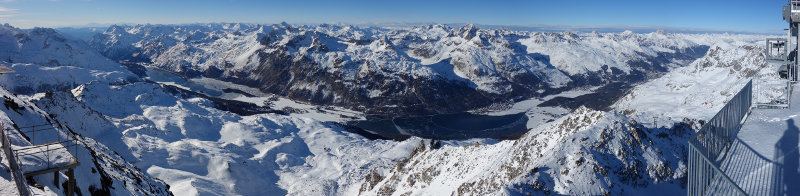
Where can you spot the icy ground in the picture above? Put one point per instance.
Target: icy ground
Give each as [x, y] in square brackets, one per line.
[764, 158]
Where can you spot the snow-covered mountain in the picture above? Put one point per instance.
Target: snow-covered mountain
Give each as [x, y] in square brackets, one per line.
[198, 148]
[125, 123]
[410, 71]
[586, 152]
[700, 89]
[46, 60]
[624, 151]
[102, 171]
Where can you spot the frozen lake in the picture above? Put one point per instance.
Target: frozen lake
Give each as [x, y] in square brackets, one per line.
[458, 126]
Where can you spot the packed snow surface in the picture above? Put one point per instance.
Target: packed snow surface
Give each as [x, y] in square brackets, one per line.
[764, 158]
[198, 149]
[700, 89]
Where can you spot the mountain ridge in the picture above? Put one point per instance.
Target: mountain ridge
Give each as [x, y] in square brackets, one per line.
[415, 70]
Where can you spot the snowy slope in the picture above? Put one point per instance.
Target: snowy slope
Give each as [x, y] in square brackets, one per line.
[426, 69]
[593, 51]
[200, 150]
[46, 60]
[700, 89]
[621, 152]
[192, 146]
[101, 171]
[584, 153]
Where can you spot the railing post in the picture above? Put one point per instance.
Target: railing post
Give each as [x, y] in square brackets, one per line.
[22, 187]
[47, 154]
[712, 143]
[70, 182]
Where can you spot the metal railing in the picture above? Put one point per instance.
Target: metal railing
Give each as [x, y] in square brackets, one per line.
[710, 145]
[13, 163]
[772, 93]
[52, 140]
[777, 49]
[46, 144]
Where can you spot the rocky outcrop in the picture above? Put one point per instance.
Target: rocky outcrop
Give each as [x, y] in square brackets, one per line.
[584, 153]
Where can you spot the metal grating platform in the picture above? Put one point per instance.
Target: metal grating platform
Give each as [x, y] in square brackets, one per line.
[52, 156]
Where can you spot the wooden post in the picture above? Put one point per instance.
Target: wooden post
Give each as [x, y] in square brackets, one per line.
[55, 179]
[70, 182]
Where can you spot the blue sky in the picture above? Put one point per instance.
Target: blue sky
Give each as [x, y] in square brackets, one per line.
[735, 15]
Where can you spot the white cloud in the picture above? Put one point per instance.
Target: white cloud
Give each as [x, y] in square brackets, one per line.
[7, 13]
[3, 9]
[6, 1]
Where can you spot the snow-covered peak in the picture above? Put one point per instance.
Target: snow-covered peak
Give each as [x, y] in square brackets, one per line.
[46, 60]
[467, 31]
[334, 59]
[699, 90]
[46, 46]
[586, 152]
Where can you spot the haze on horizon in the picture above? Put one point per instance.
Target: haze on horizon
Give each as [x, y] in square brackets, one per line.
[736, 15]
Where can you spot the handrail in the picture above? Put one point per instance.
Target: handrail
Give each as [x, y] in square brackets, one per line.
[63, 140]
[40, 145]
[34, 130]
[44, 151]
[13, 163]
[42, 125]
[711, 144]
[781, 101]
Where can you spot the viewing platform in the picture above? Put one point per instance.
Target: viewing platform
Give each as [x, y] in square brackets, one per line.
[748, 147]
[764, 158]
[47, 150]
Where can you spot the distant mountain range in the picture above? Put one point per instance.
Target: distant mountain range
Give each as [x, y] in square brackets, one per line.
[399, 71]
[146, 138]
